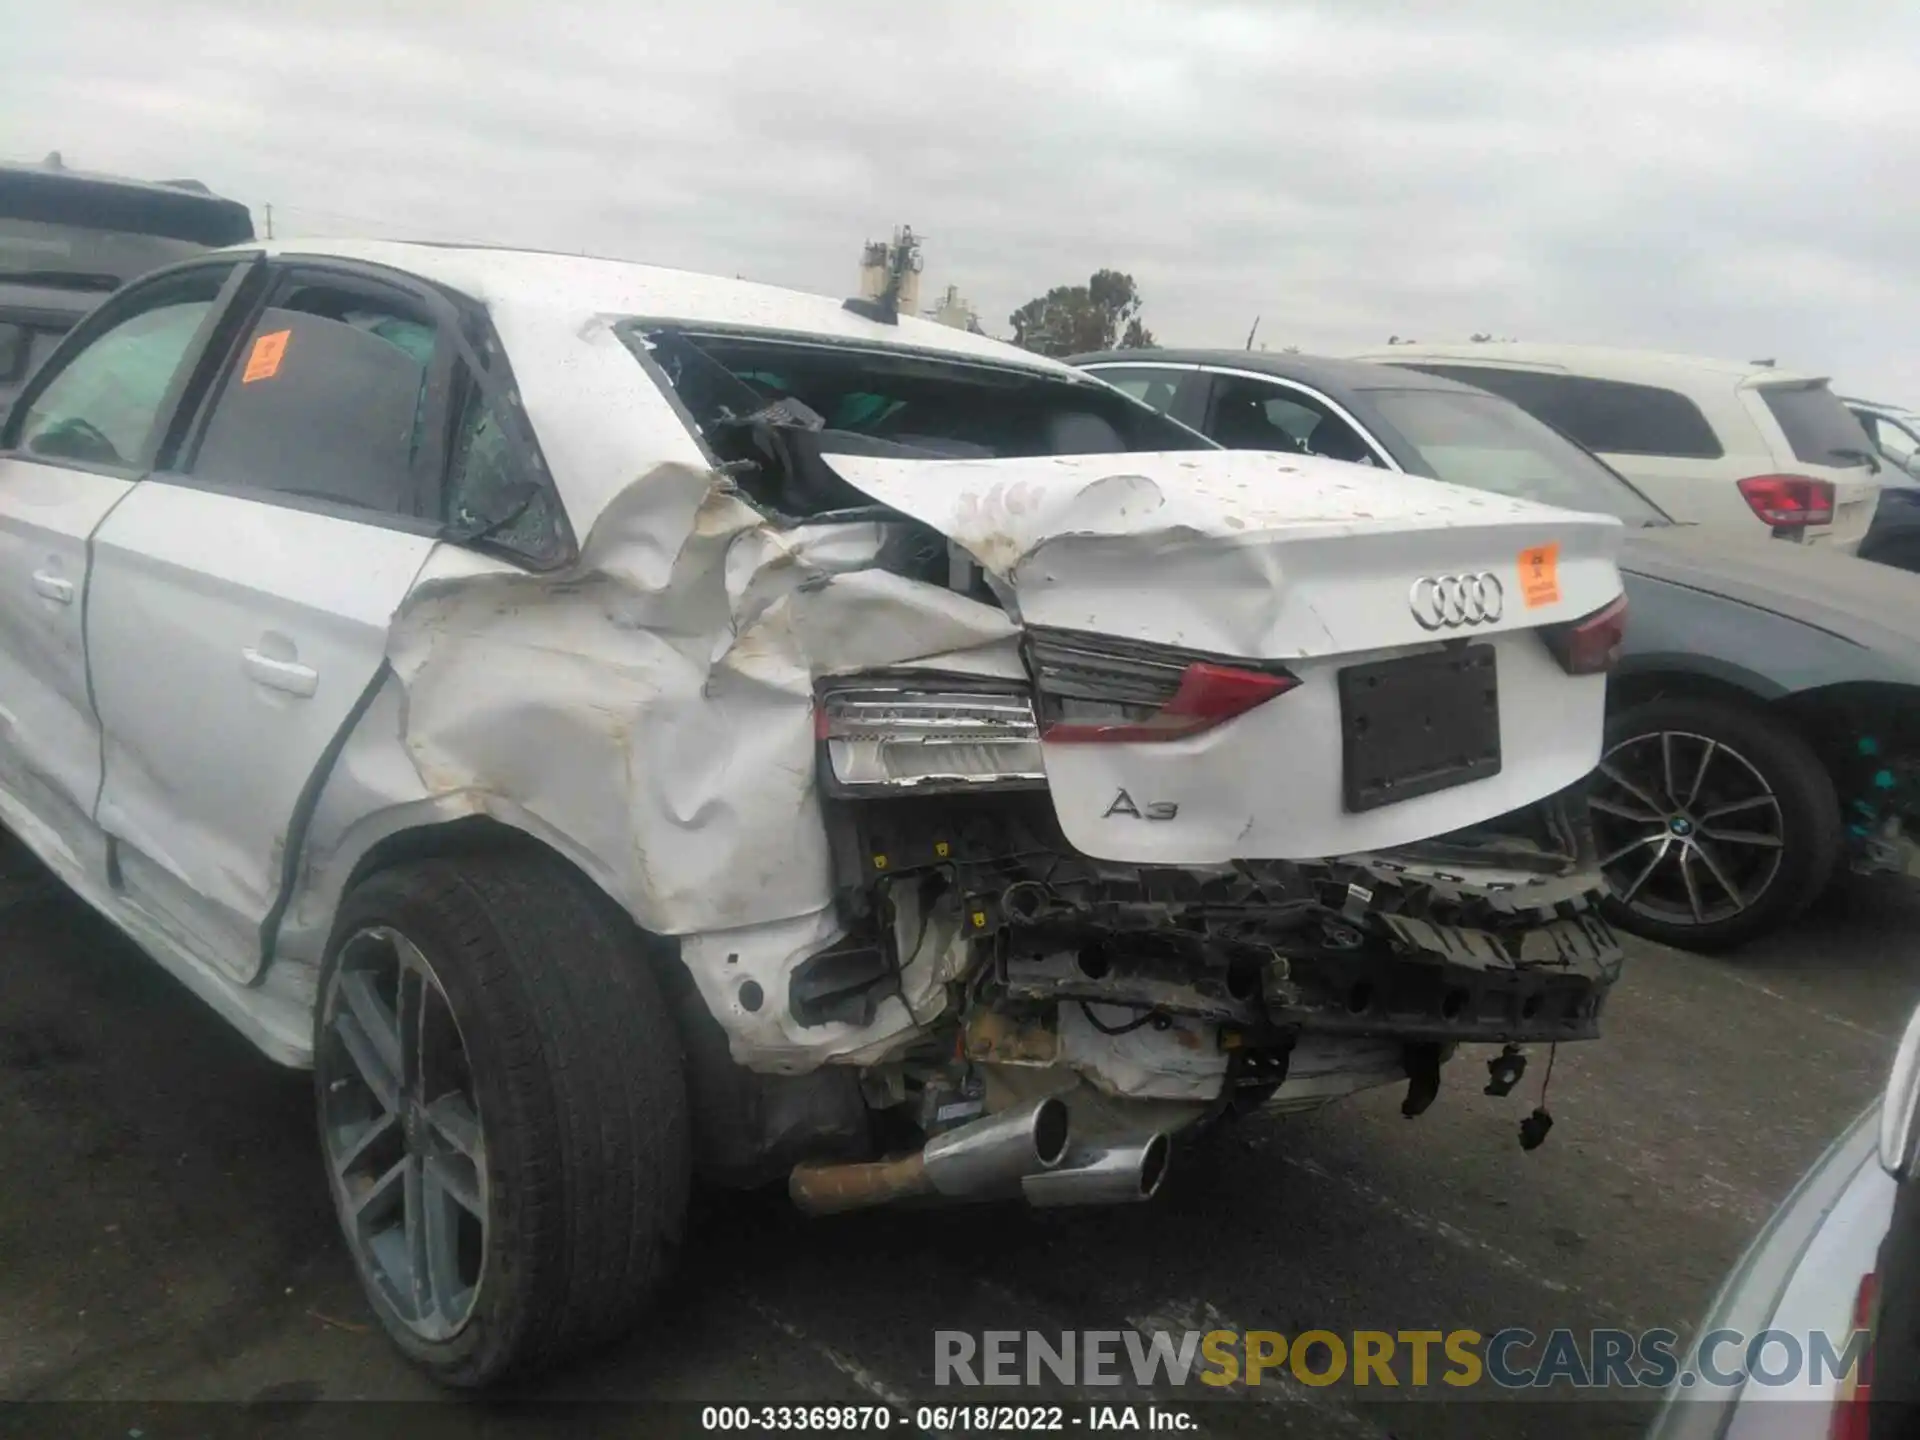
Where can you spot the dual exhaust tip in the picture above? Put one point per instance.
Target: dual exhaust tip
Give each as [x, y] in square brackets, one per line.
[1029, 1151]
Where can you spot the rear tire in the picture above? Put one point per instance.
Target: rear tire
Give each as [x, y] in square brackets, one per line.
[523, 1198]
[1715, 822]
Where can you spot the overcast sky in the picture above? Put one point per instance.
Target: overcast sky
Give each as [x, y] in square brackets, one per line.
[1728, 178]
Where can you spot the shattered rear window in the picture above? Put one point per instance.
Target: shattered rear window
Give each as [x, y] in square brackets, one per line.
[772, 406]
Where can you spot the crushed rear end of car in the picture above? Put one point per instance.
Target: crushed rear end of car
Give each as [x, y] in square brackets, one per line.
[1265, 796]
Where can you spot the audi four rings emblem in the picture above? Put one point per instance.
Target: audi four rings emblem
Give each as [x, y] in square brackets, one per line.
[1446, 602]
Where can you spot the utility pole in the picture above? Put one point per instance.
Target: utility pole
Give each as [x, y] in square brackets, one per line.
[269, 222]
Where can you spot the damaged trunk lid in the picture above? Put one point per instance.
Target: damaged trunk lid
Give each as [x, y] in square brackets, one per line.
[1242, 655]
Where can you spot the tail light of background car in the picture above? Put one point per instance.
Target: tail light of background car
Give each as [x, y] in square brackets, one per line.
[1094, 689]
[896, 736]
[1590, 645]
[1900, 1109]
[1853, 1412]
[1789, 502]
[1852, 1417]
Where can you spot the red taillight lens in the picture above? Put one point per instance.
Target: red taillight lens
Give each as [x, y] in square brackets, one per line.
[1590, 646]
[1789, 502]
[1208, 695]
[1851, 1419]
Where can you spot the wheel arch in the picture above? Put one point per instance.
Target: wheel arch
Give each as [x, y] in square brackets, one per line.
[746, 1121]
[1865, 731]
[1830, 718]
[1886, 708]
[1809, 836]
[1720, 680]
[439, 828]
[476, 834]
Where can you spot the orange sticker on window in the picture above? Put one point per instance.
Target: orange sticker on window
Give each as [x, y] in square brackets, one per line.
[263, 361]
[1540, 576]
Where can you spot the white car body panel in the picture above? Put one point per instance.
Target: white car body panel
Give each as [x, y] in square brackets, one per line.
[229, 641]
[49, 741]
[648, 711]
[1820, 1299]
[1801, 1276]
[1698, 491]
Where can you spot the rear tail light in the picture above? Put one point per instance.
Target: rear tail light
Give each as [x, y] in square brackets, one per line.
[1789, 502]
[1851, 1418]
[1095, 690]
[1590, 646]
[894, 738]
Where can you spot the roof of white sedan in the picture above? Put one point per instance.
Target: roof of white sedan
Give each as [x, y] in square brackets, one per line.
[588, 288]
[1599, 361]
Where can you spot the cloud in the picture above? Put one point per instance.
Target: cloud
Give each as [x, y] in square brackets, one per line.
[1713, 177]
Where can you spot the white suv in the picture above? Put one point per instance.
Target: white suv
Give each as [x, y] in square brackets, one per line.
[1714, 442]
[617, 724]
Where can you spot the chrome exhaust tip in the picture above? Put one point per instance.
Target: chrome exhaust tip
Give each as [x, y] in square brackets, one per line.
[1103, 1173]
[992, 1153]
[984, 1157]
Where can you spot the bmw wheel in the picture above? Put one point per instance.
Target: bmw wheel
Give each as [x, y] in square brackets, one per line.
[1715, 822]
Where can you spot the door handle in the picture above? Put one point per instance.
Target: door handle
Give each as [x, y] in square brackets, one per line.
[53, 587]
[287, 675]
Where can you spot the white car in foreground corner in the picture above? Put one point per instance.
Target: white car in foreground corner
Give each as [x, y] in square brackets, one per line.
[616, 724]
[1816, 1333]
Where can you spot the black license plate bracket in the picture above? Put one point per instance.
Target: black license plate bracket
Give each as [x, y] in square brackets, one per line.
[1417, 724]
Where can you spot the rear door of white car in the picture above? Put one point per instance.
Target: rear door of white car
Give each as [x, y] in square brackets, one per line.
[77, 444]
[242, 594]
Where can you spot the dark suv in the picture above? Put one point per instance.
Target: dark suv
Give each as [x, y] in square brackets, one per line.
[67, 238]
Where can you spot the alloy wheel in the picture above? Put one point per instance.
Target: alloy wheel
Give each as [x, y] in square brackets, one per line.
[403, 1136]
[1690, 832]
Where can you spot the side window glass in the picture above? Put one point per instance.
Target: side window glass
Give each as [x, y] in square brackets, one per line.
[490, 494]
[1893, 440]
[1610, 416]
[102, 407]
[1291, 416]
[1253, 415]
[1151, 387]
[327, 399]
[1318, 429]
[1239, 419]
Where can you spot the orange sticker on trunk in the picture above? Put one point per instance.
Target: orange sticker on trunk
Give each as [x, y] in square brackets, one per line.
[1540, 576]
[263, 361]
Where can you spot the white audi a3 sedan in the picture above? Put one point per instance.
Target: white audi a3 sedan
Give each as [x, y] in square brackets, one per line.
[618, 725]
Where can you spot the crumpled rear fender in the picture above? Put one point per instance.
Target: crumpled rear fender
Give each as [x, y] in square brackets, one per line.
[648, 716]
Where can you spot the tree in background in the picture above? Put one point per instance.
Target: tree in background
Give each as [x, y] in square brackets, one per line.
[1103, 314]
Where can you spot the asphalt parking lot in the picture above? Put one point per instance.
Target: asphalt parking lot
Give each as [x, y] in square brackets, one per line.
[164, 1235]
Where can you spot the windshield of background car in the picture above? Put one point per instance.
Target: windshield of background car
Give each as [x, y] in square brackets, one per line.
[1488, 443]
[1818, 427]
